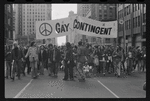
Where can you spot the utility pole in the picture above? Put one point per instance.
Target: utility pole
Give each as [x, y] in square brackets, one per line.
[124, 30]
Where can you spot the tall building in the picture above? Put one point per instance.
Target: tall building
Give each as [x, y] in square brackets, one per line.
[27, 15]
[99, 12]
[133, 29]
[8, 23]
[82, 10]
[104, 12]
[72, 36]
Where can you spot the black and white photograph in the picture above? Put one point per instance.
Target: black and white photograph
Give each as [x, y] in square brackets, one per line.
[75, 50]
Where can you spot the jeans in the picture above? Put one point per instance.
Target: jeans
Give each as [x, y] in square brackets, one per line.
[42, 65]
[80, 73]
[17, 67]
[8, 69]
[33, 69]
[28, 66]
[68, 70]
[55, 68]
[129, 65]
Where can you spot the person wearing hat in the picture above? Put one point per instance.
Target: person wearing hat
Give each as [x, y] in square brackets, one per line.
[17, 56]
[68, 62]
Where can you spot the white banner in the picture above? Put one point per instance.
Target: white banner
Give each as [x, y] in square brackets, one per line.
[52, 28]
[90, 27]
[80, 25]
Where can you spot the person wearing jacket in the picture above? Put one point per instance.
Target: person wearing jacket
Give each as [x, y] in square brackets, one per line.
[42, 59]
[17, 56]
[68, 62]
[26, 62]
[33, 58]
[8, 60]
[81, 59]
[96, 55]
[50, 59]
[117, 55]
[56, 59]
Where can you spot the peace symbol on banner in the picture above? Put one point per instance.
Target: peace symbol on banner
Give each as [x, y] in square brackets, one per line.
[45, 29]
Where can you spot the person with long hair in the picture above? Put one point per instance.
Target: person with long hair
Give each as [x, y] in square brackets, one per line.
[117, 55]
[33, 58]
[50, 59]
[81, 59]
[68, 62]
[42, 59]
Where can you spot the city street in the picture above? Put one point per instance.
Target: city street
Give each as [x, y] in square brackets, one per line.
[98, 87]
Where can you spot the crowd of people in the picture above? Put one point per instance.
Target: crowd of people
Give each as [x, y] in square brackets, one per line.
[80, 61]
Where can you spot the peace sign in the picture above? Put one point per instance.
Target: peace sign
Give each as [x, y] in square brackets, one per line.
[45, 29]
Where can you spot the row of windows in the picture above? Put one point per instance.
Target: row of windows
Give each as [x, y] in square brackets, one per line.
[144, 18]
[105, 15]
[127, 11]
[136, 23]
[136, 7]
[35, 12]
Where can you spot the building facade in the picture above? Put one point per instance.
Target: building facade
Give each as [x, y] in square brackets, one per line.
[8, 22]
[99, 12]
[82, 10]
[27, 15]
[104, 12]
[133, 29]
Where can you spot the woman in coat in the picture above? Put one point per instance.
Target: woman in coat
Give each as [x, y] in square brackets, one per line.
[33, 58]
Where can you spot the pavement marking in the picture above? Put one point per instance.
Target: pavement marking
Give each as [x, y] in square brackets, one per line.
[108, 89]
[23, 89]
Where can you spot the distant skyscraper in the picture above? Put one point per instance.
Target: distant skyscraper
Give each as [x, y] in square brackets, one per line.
[82, 10]
[8, 17]
[26, 15]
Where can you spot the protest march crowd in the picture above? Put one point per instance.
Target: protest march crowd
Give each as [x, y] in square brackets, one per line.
[77, 61]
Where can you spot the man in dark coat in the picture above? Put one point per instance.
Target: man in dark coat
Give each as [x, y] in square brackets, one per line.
[17, 56]
[50, 59]
[68, 62]
[42, 59]
[8, 59]
[55, 61]
[26, 62]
